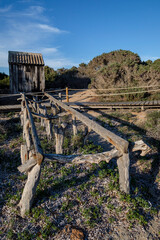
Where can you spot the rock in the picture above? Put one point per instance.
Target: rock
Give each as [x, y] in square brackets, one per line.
[77, 234]
[74, 232]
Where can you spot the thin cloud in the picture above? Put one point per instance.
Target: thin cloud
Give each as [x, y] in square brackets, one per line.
[33, 10]
[27, 31]
[5, 9]
[49, 28]
[49, 50]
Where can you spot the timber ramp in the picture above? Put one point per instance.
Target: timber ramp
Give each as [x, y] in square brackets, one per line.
[154, 104]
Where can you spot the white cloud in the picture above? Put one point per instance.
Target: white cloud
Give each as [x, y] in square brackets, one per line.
[49, 50]
[33, 11]
[27, 31]
[5, 9]
[49, 28]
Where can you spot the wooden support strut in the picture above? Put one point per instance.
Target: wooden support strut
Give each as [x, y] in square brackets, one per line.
[117, 141]
[35, 139]
[31, 166]
[59, 135]
[74, 124]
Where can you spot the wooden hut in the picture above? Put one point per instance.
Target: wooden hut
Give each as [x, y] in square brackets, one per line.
[26, 72]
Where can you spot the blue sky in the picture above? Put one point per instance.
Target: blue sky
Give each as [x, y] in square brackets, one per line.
[69, 32]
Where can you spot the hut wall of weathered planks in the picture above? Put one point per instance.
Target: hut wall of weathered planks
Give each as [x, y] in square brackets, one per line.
[26, 71]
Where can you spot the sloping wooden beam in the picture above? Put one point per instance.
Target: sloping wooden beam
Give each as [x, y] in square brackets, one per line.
[117, 141]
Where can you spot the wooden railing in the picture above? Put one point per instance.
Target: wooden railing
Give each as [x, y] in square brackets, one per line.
[32, 154]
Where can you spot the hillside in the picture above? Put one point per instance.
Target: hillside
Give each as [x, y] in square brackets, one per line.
[119, 68]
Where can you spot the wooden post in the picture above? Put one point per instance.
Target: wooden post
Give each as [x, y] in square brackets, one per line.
[67, 96]
[35, 103]
[24, 121]
[29, 189]
[60, 97]
[123, 168]
[24, 153]
[54, 109]
[27, 135]
[48, 124]
[42, 110]
[22, 112]
[59, 135]
[74, 124]
[142, 108]
[32, 166]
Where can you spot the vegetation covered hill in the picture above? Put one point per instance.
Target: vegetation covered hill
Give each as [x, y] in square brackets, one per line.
[119, 68]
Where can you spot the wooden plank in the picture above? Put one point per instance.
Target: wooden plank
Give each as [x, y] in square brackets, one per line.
[117, 141]
[36, 142]
[89, 158]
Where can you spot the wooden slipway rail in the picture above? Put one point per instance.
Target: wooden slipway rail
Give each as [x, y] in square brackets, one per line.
[32, 154]
[155, 104]
[113, 105]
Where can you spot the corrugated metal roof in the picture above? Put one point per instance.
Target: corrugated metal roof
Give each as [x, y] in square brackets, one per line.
[25, 58]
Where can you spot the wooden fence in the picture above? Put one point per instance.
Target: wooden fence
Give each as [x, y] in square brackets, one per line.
[32, 154]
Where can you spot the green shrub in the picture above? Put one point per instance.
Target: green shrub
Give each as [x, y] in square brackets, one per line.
[153, 119]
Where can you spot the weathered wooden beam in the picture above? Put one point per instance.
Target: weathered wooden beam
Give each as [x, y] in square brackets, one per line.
[59, 136]
[27, 165]
[42, 111]
[35, 139]
[24, 153]
[29, 189]
[141, 146]
[74, 124]
[27, 135]
[49, 131]
[38, 115]
[88, 158]
[123, 167]
[117, 141]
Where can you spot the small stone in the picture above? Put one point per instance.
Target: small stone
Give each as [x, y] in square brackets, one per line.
[77, 234]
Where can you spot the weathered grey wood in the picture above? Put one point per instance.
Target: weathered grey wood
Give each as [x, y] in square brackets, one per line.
[35, 139]
[25, 117]
[88, 158]
[25, 76]
[38, 115]
[117, 141]
[54, 109]
[49, 131]
[35, 103]
[123, 167]
[29, 190]
[21, 118]
[27, 135]
[141, 146]
[24, 153]
[22, 113]
[60, 96]
[59, 136]
[74, 124]
[42, 111]
[27, 165]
